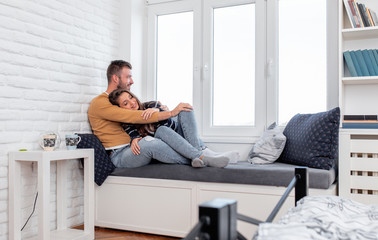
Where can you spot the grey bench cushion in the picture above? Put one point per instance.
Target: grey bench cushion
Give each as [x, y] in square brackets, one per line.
[276, 174]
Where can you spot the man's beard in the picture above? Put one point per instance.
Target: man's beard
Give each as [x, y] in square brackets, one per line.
[127, 87]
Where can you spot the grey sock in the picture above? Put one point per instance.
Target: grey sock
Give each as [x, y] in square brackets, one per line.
[216, 161]
[198, 163]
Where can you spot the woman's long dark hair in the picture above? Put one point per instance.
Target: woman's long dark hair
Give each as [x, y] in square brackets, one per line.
[114, 97]
[143, 129]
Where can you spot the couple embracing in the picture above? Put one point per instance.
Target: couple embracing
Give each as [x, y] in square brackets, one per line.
[134, 133]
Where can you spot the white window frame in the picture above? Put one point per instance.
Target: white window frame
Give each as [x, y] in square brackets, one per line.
[172, 7]
[272, 58]
[266, 79]
[260, 89]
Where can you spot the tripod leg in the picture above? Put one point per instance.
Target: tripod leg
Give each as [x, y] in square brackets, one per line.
[197, 228]
[241, 237]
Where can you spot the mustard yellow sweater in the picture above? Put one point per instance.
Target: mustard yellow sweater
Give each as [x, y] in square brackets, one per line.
[105, 119]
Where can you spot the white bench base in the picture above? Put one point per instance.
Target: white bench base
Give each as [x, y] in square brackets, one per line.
[170, 207]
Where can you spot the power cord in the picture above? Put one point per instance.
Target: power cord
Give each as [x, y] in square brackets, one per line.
[35, 201]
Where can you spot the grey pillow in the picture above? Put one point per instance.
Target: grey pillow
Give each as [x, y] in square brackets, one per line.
[268, 147]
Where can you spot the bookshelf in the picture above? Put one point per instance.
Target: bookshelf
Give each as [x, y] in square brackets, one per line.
[358, 148]
[359, 33]
[357, 95]
[360, 80]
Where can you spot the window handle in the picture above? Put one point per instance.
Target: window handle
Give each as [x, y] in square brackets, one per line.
[205, 71]
[269, 68]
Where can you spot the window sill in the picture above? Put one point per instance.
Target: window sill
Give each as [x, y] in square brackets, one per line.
[231, 140]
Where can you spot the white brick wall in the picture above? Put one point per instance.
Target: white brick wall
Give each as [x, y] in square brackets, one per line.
[53, 58]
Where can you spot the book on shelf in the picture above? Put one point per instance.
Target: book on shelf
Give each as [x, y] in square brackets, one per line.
[355, 63]
[349, 13]
[374, 17]
[359, 14]
[350, 65]
[357, 9]
[368, 62]
[354, 13]
[360, 125]
[369, 16]
[362, 63]
[360, 121]
[373, 60]
[375, 52]
[361, 11]
[361, 117]
[366, 15]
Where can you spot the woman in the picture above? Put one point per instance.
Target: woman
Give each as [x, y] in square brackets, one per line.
[187, 144]
[136, 131]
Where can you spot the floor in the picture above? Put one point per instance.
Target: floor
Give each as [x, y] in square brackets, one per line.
[112, 234]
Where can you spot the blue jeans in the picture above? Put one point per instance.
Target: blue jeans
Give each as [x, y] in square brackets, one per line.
[188, 119]
[167, 146]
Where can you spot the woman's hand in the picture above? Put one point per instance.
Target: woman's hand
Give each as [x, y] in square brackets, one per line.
[135, 146]
[164, 107]
[146, 114]
[181, 107]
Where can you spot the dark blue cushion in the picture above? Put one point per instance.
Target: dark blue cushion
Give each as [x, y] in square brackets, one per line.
[312, 140]
[103, 166]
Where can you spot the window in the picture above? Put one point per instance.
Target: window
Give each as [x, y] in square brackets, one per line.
[175, 58]
[234, 66]
[302, 77]
[242, 63]
[173, 65]
[232, 80]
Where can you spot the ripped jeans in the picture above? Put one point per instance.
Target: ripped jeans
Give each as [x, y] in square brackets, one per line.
[167, 146]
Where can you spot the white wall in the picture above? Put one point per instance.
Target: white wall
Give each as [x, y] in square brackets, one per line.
[132, 41]
[53, 58]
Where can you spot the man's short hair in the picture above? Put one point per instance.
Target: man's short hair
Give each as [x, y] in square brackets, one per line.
[115, 67]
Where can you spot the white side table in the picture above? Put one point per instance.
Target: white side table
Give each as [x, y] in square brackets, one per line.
[43, 160]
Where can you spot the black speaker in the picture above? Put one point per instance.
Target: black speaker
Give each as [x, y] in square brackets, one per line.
[222, 214]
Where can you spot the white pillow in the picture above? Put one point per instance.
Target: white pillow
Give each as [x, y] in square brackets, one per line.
[268, 147]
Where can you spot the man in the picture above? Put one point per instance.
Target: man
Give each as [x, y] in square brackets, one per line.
[105, 119]
[103, 116]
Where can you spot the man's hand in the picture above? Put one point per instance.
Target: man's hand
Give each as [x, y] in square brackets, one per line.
[146, 114]
[181, 107]
[135, 146]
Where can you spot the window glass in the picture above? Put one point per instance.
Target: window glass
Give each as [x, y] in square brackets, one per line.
[234, 66]
[302, 58]
[175, 58]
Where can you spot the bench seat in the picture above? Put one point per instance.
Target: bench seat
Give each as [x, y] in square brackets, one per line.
[163, 199]
[276, 174]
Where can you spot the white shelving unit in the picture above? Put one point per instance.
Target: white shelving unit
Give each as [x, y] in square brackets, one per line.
[358, 148]
[359, 33]
[44, 159]
[358, 95]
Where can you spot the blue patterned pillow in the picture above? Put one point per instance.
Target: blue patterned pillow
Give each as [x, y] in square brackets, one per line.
[312, 140]
[103, 166]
